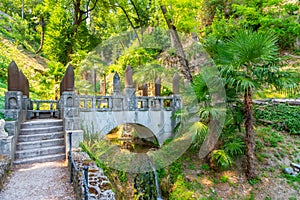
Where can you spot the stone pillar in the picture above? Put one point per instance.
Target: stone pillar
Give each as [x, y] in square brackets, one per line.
[145, 102]
[13, 77]
[13, 104]
[117, 98]
[175, 83]
[69, 79]
[69, 110]
[116, 84]
[128, 77]
[145, 90]
[130, 101]
[24, 84]
[157, 87]
[67, 83]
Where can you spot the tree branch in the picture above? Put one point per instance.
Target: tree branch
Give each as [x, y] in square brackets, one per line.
[131, 24]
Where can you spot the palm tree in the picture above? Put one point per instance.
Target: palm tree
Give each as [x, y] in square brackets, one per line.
[249, 62]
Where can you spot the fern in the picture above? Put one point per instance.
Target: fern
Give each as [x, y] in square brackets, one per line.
[221, 159]
[235, 147]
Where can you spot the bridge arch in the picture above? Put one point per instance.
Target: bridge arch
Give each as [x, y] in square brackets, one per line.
[142, 131]
[147, 123]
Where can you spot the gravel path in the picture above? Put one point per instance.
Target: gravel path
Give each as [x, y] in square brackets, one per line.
[39, 181]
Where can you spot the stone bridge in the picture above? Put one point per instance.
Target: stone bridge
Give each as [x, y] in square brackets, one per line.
[149, 115]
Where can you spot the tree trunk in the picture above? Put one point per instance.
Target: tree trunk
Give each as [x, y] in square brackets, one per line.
[22, 9]
[176, 43]
[249, 121]
[42, 23]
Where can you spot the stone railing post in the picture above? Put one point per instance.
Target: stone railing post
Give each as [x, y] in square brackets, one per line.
[69, 101]
[117, 98]
[130, 96]
[69, 108]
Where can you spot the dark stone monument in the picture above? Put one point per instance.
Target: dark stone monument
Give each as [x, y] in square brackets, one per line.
[157, 87]
[62, 86]
[128, 77]
[145, 89]
[13, 77]
[116, 83]
[67, 82]
[175, 82]
[69, 79]
[24, 85]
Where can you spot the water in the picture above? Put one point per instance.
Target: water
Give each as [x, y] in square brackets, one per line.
[159, 197]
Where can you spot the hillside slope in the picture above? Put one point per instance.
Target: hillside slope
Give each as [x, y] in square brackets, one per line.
[33, 66]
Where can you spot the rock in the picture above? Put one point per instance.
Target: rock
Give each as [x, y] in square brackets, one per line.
[3, 133]
[288, 170]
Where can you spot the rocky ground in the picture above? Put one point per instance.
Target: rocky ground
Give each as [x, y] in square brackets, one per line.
[47, 181]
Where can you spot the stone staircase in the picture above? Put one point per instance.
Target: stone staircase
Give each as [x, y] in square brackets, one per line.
[40, 141]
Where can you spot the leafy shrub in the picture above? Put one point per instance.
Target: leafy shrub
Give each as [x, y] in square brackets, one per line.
[180, 190]
[282, 116]
[234, 146]
[221, 159]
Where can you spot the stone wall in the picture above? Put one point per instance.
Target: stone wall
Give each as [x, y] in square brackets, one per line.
[5, 164]
[99, 185]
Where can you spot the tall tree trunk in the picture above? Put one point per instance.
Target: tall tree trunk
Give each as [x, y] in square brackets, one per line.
[22, 9]
[249, 121]
[176, 43]
[42, 23]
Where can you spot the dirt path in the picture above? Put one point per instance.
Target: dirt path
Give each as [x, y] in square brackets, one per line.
[40, 181]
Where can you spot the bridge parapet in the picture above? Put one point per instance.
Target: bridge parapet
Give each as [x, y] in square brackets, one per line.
[141, 103]
[40, 107]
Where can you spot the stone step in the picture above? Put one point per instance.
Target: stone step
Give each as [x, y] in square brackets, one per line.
[37, 137]
[41, 123]
[46, 158]
[39, 152]
[40, 144]
[31, 131]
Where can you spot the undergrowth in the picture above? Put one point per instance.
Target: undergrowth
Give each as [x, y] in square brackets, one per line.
[280, 116]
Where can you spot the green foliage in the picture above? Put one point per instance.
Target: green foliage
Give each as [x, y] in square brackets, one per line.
[254, 181]
[175, 170]
[283, 116]
[122, 176]
[57, 37]
[234, 146]
[264, 15]
[205, 167]
[292, 180]
[224, 178]
[221, 159]
[180, 190]
[2, 115]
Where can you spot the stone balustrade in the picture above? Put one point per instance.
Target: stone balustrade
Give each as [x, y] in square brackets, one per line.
[117, 103]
